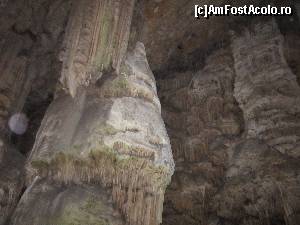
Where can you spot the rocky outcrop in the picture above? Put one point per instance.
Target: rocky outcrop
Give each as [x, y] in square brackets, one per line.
[102, 131]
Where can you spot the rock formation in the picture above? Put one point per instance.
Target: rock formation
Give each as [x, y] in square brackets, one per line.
[219, 97]
[236, 158]
[111, 134]
[108, 132]
[96, 40]
[49, 203]
[23, 45]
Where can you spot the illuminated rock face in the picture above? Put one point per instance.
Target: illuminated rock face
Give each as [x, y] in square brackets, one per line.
[110, 133]
[102, 131]
[264, 165]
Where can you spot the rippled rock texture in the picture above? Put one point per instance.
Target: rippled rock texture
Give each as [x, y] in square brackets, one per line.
[111, 134]
[234, 132]
[97, 150]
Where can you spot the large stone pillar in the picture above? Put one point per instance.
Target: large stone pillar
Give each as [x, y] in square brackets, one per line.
[111, 134]
[262, 181]
[266, 89]
[104, 128]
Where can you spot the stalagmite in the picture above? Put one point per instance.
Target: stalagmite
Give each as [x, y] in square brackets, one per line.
[271, 110]
[109, 136]
[266, 160]
[103, 129]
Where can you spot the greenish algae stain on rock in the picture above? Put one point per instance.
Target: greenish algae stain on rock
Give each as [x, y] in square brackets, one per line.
[89, 214]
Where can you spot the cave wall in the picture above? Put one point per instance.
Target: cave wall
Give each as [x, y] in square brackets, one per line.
[30, 33]
[234, 134]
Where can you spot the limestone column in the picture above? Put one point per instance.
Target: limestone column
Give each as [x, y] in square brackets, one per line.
[264, 168]
[266, 89]
[103, 129]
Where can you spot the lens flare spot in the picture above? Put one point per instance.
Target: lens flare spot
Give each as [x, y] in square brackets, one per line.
[18, 123]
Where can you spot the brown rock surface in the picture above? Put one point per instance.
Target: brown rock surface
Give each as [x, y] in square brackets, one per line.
[228, 92]
[234, 134]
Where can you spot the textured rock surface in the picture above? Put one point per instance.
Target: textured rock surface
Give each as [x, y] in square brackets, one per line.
[96, 40]
[49, 203]
[11, 181]
[234, 134]
[111, 133]
[204, 122]
[268, 94]
[26, 51]
[176, 41]
[230, 101]
[267, 90]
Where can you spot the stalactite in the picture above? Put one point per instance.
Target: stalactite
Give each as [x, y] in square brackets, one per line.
[96, 39]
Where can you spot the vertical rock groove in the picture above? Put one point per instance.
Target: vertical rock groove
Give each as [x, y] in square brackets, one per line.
[96, 40]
